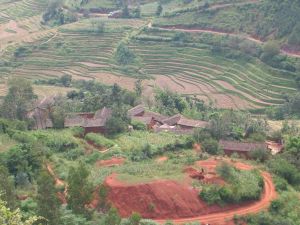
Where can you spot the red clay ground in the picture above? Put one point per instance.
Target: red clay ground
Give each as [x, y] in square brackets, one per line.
[166, 199]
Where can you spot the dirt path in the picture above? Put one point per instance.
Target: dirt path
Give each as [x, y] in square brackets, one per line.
[222, 218]
[58, 183]
[211, 31]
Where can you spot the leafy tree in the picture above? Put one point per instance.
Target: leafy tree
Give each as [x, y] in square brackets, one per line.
[270, 49]
[294, 38]
[125, 10]
[15, 217]
[260, 154]
[48, 203]
[211, 146]
[138, 88]
[66, 80]
[18, 100]
[159, 10]
[79, 189]
[124, 55]
[135, 219]
[23, 159]
[69, 218]
[7, 188]
[112, 218]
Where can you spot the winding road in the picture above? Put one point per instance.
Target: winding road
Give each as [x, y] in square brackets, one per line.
[222, 218]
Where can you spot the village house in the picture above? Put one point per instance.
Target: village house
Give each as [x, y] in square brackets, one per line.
[40, 113]
[241, 148]
[177, 123]
[91, 122]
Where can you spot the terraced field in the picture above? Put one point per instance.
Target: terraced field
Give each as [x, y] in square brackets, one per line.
[75, 50]
[20, 9]
[223, 82]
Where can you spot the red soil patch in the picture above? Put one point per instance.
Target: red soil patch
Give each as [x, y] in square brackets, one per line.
[166, 199]
[162, 159]
[110, 162]
[195, 174]
[62, 196]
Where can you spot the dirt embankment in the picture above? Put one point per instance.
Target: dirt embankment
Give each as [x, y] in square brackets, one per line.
[166, 199]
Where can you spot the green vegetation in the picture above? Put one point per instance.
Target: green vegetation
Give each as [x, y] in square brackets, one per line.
[99, 140]
[240, 58]
[240, 186]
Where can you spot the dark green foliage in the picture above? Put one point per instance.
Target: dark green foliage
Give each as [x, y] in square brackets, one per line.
[9, 126]
[57, 15]
[103, 204]
[169, 103]
[284, 169]
[282, 211]
[47, 201]
[18, 100]
[7, 188]
[22, 52]
[79, 190]
[99, 140]
[241, 186]
[270, 49]
[280, 184]
[260, 154]
[69, 218]
[159, 10]
[23, 159]
[135, 219]
[137, 125]
[211, 146]
[112, 218]
[124, 55]
[66, 80]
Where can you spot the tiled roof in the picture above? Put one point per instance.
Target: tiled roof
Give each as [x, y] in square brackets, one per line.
[241, 146]
[143, 119]
[136, 110]
[192, 123]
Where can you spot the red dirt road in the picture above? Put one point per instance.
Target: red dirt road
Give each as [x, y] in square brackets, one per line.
[166, 199]
[222, 218]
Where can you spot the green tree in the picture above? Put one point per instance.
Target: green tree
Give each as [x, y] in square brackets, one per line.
[66, 80]
[7, 188]
[270, 49]
[24, 160]
[124, 55]
[18, 100]
[79, 189]
[112, 218]
[15, 217]
[159, 10]
[211, 146]
[135, 219]
[48, 203]
[138, 88]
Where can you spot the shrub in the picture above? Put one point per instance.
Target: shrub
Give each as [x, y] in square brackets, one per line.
[280, 184]
[78, 131]
[260, 154]
[211, 195]
[99, 140]
[124, 55]
[211, 146]
[137, 125]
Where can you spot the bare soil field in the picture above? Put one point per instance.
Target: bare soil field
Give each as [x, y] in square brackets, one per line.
[166, 199]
